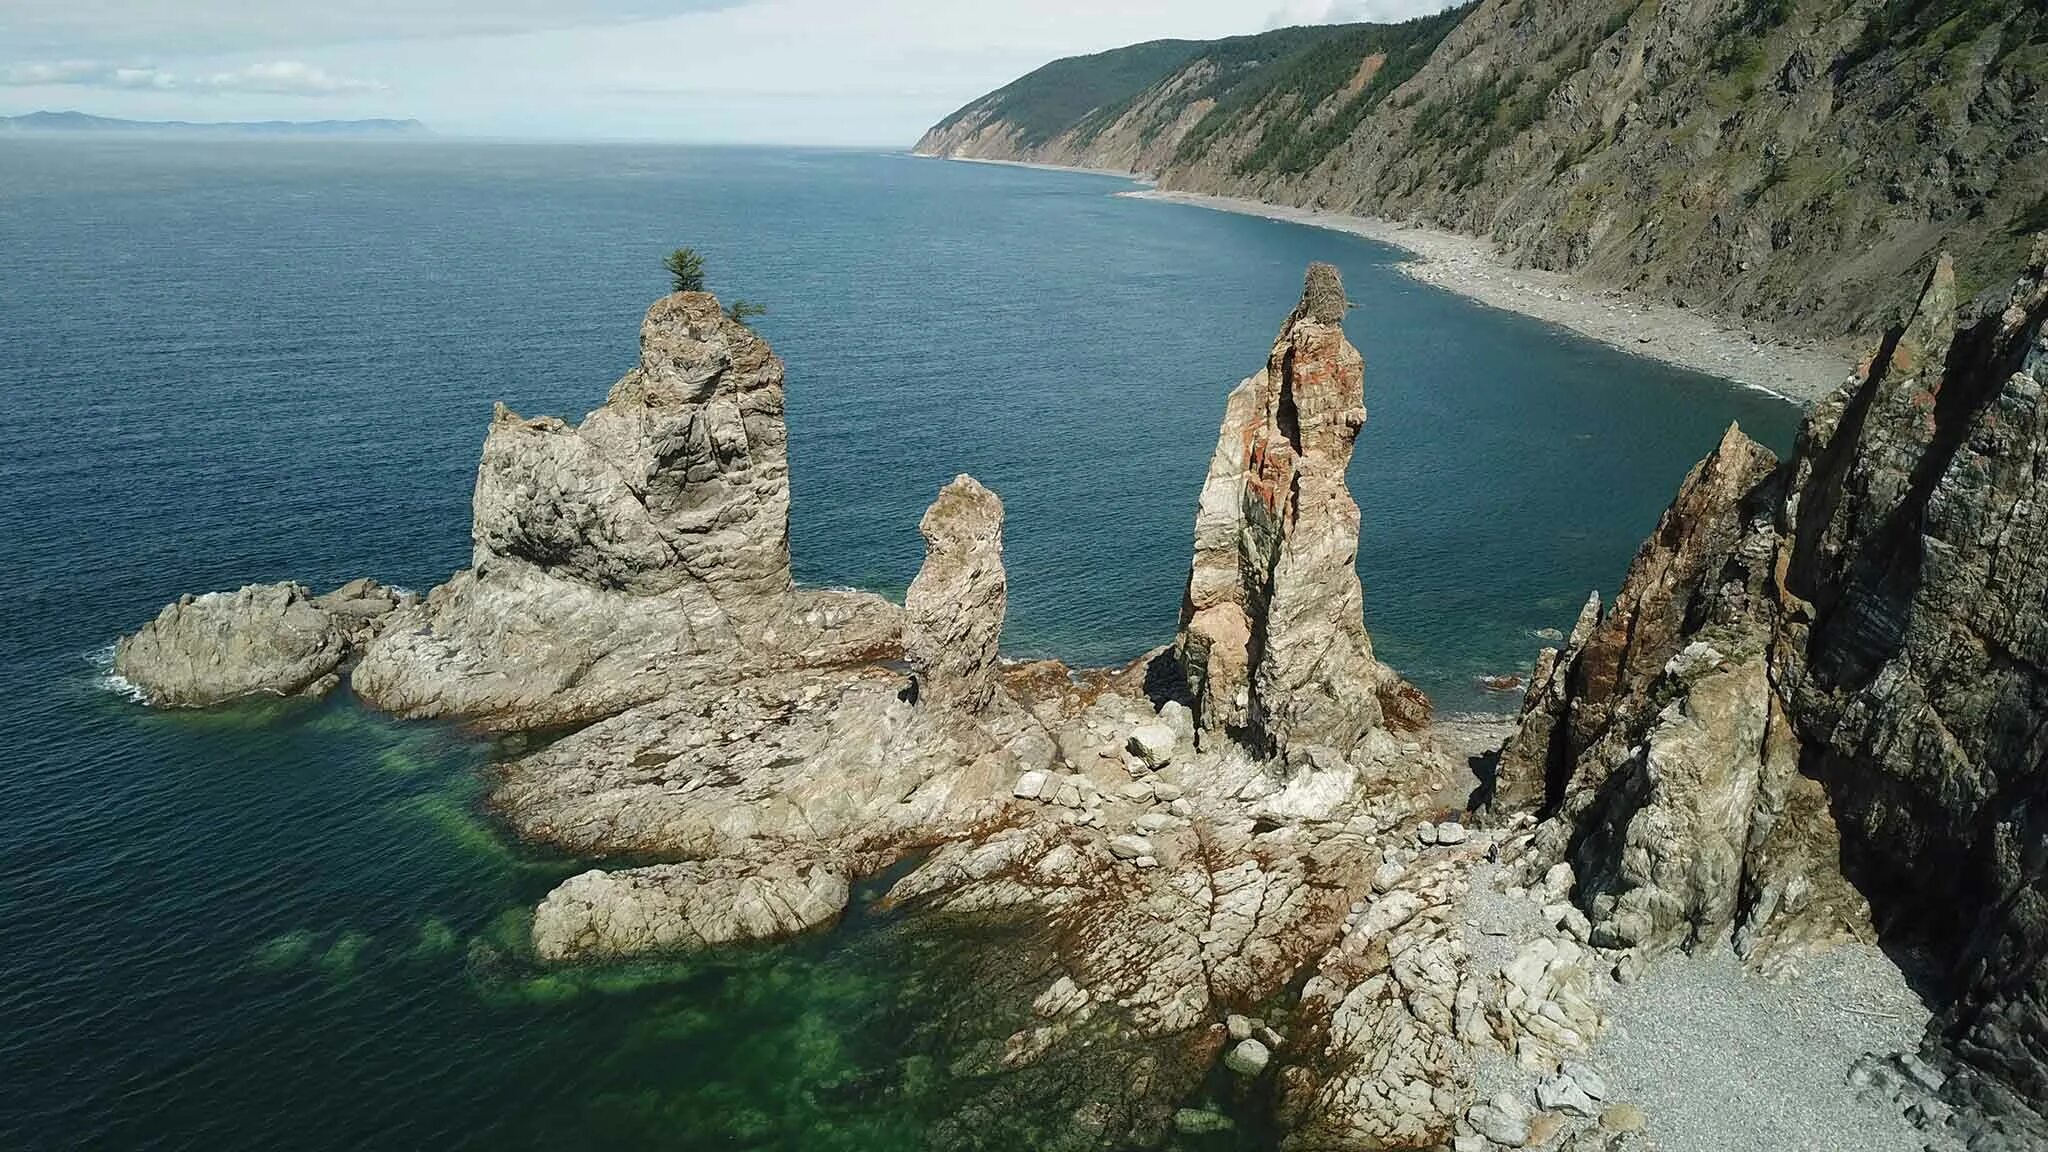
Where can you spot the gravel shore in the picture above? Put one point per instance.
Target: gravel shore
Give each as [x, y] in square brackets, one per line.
[1720, 1058]
[1469, 266]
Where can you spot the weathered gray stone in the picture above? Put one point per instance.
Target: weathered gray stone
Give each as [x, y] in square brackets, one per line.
[955, 606]
[647, 546]
[1153, 744]
[1247, 1057]
[683, 907]
[264, 639]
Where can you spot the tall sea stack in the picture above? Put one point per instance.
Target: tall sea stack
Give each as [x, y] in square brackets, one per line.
[1272, 630]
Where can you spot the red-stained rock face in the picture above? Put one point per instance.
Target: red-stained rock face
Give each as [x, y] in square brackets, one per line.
[1272, 634]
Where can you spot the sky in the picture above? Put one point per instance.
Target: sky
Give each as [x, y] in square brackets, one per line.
[715, 71]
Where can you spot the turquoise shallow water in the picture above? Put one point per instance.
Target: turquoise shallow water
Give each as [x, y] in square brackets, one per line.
[290, 925]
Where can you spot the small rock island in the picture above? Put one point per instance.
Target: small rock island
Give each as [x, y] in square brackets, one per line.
[1814, 713]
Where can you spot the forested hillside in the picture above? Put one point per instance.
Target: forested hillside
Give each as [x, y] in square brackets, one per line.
[1788, 163]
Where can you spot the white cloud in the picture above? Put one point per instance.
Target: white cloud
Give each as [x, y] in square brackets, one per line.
[1293, 12]
[101, 28]
[867, 72]
[276, 77]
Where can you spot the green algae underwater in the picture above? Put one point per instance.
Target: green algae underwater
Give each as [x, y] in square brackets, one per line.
[384, 993]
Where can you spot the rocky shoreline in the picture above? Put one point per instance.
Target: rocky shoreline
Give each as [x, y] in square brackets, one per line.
[1254, 849]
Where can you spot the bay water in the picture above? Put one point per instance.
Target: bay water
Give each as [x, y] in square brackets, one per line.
[291, 925]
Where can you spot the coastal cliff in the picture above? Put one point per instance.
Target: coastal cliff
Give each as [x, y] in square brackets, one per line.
[1815, 711]
[1786, 164]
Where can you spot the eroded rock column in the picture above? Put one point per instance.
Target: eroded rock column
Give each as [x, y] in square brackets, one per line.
[1272, 633]
[955, 605]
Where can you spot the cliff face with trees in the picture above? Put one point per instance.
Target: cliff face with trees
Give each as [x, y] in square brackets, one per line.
[1787, 163]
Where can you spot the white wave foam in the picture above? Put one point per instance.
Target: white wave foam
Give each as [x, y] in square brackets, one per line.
[108, 680]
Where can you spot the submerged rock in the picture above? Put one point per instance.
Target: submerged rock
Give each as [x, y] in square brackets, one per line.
[274, 639]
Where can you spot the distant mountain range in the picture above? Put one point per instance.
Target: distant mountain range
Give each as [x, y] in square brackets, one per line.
[1794, 163]
[53, 122]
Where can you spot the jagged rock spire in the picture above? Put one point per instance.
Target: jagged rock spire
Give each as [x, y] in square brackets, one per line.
[956, 603]
[1272, 632]
[648, 543]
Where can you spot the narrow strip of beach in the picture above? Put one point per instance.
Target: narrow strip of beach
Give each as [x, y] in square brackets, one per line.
[1469, 266]
[1797, 372]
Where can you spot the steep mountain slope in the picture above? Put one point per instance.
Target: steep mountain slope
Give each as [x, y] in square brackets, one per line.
[1784, 162]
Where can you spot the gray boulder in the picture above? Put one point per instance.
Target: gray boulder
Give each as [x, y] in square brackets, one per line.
[274, 639]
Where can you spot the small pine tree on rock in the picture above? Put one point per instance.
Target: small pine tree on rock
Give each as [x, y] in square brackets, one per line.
[686, 269]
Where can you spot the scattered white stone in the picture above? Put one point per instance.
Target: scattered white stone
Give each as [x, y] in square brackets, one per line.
[1248, 1058]
[1563, 1094]
[1146, 862]
[1503, 1119]
[1385, 877]
[1450, 833]
[1129, 847]
[1137, 792]
[1425, 832]
[1557, 883]
[1180, 718]
[1154, 822]
[1239, 1026]
[1031, 784]
[1587, 1078]
[1153, 744]
[1163, 791]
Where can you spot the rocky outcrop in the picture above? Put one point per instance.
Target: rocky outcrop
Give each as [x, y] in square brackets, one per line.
[1272, 633]
[1143, 899]
[682, 907]
[955, 606]
[648, 545]
[1832, 671]
[645, 548]
[274, 639]
[775, 787]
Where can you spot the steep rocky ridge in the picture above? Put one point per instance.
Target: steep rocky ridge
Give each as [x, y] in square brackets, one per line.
[1829, 671]
[1787, 163]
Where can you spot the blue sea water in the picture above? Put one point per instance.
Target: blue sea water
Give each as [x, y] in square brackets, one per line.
[291, 925]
